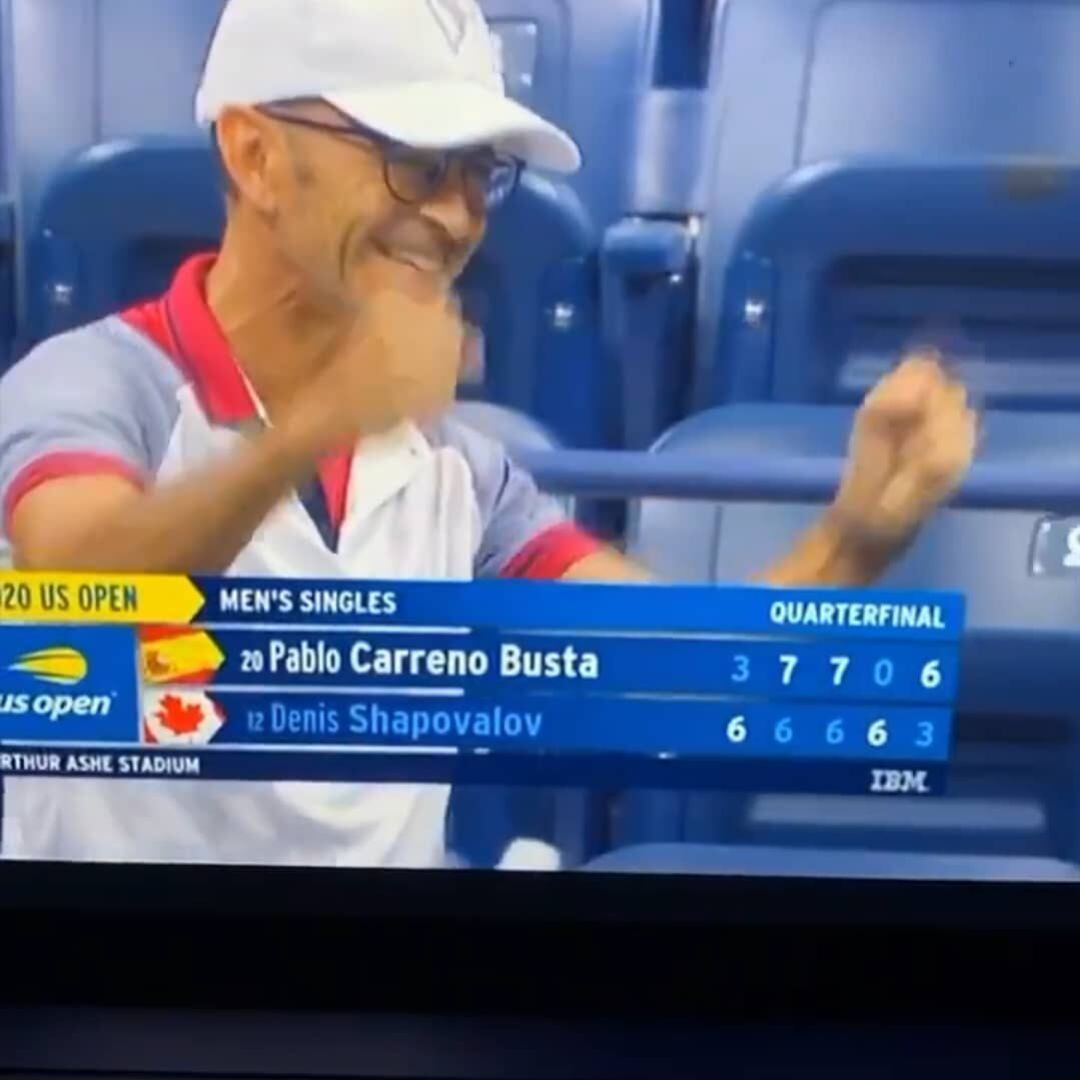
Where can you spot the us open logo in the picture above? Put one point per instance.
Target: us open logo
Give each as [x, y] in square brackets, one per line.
[453, 20]
[60, 665]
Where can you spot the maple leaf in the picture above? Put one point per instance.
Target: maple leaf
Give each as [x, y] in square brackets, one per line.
[179, 718]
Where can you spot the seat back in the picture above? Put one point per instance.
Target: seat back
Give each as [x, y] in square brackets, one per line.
[626, 79]
[841, 266]
[532, 289]
[114, 224]
[648, 266]
[850, 81]
[1012, 785]
[583, 65]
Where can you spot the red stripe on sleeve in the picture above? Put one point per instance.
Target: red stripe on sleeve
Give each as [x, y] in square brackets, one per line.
[551, 553]
[61, 465]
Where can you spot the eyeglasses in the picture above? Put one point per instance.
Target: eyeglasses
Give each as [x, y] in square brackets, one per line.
[413, 176]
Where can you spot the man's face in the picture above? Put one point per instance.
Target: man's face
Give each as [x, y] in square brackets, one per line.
[342, 229]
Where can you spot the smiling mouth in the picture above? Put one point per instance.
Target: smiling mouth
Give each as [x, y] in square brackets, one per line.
[426, 264]
[432, 259]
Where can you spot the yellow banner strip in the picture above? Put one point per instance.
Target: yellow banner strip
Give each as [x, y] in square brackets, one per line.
[97, 598]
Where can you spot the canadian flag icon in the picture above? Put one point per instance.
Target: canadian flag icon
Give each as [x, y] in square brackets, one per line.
[180, 717]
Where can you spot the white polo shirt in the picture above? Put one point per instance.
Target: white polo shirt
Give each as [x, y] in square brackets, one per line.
[154, 392]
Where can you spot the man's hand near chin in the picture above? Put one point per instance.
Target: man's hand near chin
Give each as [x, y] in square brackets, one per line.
[912, 442]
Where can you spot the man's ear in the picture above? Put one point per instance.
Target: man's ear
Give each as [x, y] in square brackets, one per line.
[253, 155]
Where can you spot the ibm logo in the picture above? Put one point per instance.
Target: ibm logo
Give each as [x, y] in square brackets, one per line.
[899, 782]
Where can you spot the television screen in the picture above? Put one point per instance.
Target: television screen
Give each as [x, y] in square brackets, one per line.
[450, 435]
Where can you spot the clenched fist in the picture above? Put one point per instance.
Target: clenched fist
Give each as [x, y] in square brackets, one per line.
[912, 443]
[400, 361]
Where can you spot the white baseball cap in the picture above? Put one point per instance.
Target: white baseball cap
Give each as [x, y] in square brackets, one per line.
[421, 72]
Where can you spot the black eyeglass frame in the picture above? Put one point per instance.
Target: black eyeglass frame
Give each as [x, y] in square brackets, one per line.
[393, 153]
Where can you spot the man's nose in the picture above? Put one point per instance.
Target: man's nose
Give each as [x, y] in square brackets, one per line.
[455, 208]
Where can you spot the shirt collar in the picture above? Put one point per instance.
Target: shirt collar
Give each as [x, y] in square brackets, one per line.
[186, 327]
[201, 348]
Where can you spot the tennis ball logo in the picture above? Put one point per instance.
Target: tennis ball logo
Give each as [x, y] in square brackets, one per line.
[61, 666]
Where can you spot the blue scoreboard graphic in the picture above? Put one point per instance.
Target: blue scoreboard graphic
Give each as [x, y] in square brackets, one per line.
[739, 688]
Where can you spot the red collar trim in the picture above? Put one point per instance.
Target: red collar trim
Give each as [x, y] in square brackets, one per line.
[201, 347]
[182, 325]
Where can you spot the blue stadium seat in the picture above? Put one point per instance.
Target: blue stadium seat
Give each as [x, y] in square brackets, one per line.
[7, 282]
[627, 80]
[585, 65]
[114, 224]
[842, 265]
[514, 430]
[532, 289]
[648, 257]
[621, 77]
[797, 300]
[1016, 745]
[648, 271]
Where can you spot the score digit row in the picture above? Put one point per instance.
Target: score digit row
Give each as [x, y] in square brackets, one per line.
[498, 664]
[847, 671]
[814, 731]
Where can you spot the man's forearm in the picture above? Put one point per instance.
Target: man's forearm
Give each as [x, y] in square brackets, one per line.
[830, 555]
[825, 554]
[198, 524]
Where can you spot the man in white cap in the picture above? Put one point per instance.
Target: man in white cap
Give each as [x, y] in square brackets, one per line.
[281, 411]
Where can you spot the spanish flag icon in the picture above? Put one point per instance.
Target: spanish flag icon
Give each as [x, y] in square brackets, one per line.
[177, 654]
[61, 665]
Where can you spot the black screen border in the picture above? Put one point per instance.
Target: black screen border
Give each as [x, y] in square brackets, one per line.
[526, 897]
[521, 944]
